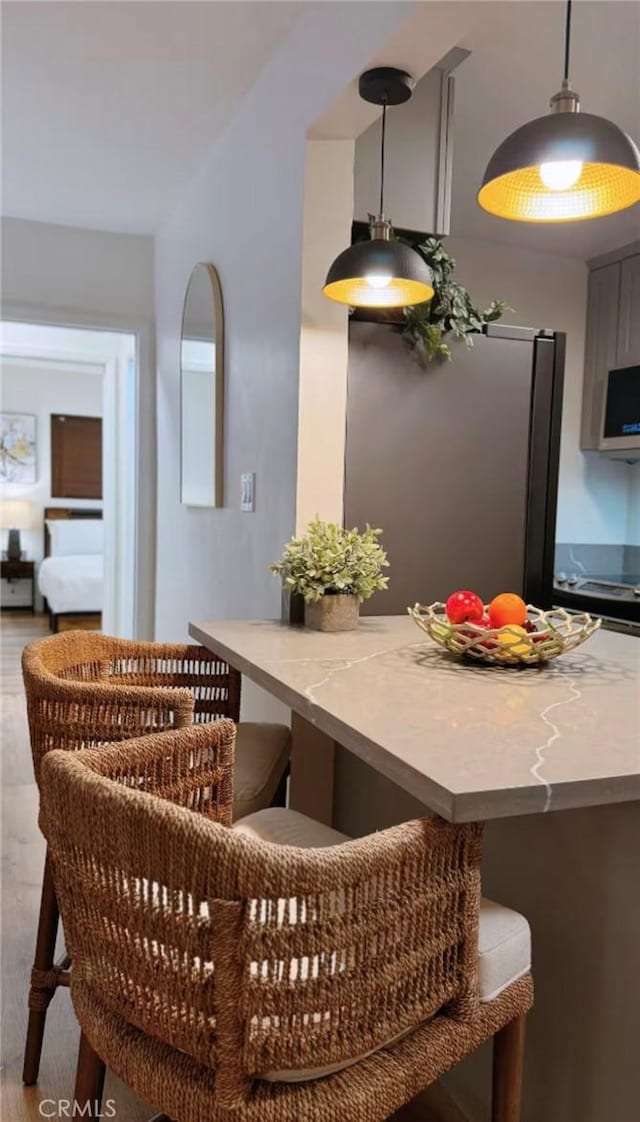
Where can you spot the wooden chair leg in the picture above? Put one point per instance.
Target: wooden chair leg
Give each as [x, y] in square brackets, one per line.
[90, 1074]
[43, 976]
[508, 1059]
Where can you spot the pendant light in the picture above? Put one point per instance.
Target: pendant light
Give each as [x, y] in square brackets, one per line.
[380, 273]
[565, 167]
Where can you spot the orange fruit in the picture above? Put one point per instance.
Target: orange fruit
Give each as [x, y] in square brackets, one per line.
[507, 608]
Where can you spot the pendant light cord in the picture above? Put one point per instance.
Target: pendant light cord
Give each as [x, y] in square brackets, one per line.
[567, 41]
[384, 128]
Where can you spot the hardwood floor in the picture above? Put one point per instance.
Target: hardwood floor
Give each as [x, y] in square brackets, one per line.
[22, 863]
[90, 622]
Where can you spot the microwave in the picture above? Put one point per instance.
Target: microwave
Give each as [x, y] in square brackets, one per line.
[620, 428]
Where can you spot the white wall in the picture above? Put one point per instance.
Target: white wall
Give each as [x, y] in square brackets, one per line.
[548, 291]
[244, 213]
[43, 390]
[324, 350]
[70, 267]
[88, 278]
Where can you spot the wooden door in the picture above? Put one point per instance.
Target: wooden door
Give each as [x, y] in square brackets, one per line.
[76, 457]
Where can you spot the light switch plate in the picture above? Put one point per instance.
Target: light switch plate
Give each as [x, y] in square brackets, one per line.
[248, 491]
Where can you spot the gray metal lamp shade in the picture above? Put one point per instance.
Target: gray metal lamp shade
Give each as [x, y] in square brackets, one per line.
[608, 181]
[380, 273]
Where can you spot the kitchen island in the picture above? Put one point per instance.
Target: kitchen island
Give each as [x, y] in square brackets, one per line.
[386, 726]
[470, 742]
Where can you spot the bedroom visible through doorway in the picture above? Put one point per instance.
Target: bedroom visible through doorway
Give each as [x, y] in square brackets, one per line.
[67, 475]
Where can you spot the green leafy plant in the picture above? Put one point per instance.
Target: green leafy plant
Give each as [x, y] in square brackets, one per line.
[450, 311]
[330, 560]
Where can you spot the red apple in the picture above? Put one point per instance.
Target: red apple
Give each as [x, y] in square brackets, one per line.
[480, 642]
[464, 606]
[479, 623]
[483, 644]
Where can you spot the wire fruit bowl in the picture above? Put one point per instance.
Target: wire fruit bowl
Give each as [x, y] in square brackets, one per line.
[556, 632]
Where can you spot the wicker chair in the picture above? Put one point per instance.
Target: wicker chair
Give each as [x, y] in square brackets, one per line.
[85, 689]
[226, 978]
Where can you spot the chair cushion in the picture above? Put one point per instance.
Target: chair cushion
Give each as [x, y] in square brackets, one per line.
[504, 948]
[288, 827]
[262, 754]
[504, 936]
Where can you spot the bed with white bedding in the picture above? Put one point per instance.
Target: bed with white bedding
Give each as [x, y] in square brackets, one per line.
[73, 583]
[71, 576]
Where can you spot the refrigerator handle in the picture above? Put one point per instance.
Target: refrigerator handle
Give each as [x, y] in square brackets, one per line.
[544, 459]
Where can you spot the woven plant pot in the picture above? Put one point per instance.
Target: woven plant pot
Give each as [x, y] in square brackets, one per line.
[333, 613]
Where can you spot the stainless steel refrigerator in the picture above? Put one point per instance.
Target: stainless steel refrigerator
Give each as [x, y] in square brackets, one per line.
[457, 462]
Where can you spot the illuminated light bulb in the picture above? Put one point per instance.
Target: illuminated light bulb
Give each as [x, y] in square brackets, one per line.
[559, 175]
[378, 280]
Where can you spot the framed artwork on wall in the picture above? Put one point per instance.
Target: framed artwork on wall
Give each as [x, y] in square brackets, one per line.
[17, 448]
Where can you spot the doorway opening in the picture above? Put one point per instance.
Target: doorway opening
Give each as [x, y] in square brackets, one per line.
[68, 454]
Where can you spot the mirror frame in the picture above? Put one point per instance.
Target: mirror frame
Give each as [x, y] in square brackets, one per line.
[218, 432]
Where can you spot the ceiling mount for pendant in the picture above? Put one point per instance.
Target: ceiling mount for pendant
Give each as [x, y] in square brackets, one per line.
[384, 85]
[565, 167]
[383, 272]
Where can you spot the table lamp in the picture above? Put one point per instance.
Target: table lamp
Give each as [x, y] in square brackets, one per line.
[15, 515]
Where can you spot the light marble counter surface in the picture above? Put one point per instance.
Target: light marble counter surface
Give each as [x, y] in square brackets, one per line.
[469, 742]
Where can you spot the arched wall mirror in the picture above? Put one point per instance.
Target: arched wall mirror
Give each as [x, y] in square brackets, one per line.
[202, 389]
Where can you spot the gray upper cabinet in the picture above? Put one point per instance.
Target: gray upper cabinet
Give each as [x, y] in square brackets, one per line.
[628, 353]
[419, 154]
[601, 346]
[613, 332]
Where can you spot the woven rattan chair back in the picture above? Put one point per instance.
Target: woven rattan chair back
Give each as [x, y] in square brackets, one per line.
[251, 957]
[84, 688]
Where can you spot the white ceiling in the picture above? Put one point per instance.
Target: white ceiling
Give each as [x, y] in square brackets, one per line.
[514, 68]
[109, 108]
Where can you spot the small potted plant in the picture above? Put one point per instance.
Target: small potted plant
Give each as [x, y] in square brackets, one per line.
[334, 570]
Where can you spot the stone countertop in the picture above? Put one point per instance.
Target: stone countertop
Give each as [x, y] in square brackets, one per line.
[470, 742]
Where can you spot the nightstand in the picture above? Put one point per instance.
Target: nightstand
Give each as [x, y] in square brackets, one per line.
[18, 585]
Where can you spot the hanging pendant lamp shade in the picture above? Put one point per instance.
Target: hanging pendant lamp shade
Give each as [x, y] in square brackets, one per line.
[565, 167]
[605, 161]
[381, 273]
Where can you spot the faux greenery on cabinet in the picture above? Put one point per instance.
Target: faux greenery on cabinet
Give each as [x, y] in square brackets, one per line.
[449, 316]
[451, 312]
